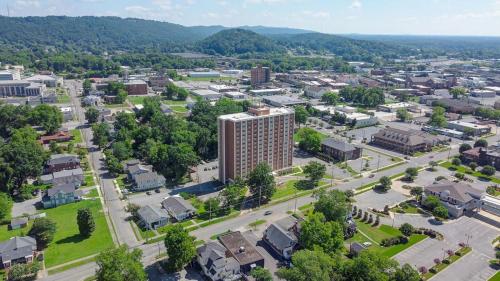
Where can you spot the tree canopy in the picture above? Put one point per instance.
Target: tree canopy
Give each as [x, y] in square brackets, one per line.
[119, 264]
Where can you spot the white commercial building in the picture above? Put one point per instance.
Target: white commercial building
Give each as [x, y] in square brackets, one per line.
[207, 95]
[20, 88]
[267, 92]
[475, 129]
[393, 107]
[317, 92]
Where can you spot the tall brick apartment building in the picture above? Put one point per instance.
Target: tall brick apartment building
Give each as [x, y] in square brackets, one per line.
[260, 135]
[260, 75]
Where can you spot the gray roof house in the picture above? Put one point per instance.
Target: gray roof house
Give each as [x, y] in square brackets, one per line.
[59, 162]
[340, 150]
[178, 207]
[216, 265]
[17, 250]
[151, 217]
[281, 241]
[457, 197]
[148, 181]
[74, 176]
[60, 195]
[17, 223]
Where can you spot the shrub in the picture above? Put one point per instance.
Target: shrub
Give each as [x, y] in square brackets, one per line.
[488, 170]
[446, 261]
[370, 219]
[450, 253]
[473, 166]
[422, 269]
[456, 162]
[437, 261]
[461, 244]
[377, 220]
[460, 176]
[440, 178]
[406, 229]
[433, 270]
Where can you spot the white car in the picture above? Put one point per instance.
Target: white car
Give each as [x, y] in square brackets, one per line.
[367, 244]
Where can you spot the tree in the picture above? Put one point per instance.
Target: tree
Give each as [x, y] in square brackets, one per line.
[316, 232]
[122, 150]
[309, 140]
[385, 183]
[301, 114]
[92, 115]
[49, 117]
[261, 274]
[440, 211]
[180, 247]
[101, 134]
[407, 229]
[232, 194]
[481, 143]
[212, 205]
[464, 147]
[24, 272]
[433, 165]
[333, 205]
[5, 206]
[411, 173]
[314, 171]
[431, 202]
[406, 273]
[261, 182]
[403, 115]
[331, 98]
[117, 264]
[23, 158]
[113, 164]
[488, 170]
[456, 162]
[473, 166]
[416, 191]
[369, 266]
[309, 265]
[121, 97]
[437, 118]
[43, 230]
[458, 92]
[87, 86]
[85, 221]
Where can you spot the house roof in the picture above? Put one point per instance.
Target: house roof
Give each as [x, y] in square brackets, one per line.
[279, 237]
[244, 252]
[338, 144]
[137, 169]
[17, 247]
[177, 205]
[67, 173]
[147, 177]
[407, 137]
[63, 188]
[62, 158]
[457, 190]
[150, 214]
[213, 256]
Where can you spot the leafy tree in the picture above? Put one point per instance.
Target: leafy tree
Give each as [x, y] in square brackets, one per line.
[403, 115]
[488, 170]
[431, 202]
[5, 206]
[85, 220]
[411, 173]
[310, 140]
[369, 266]
[331, 98]
[309, 265]
[261, 182]
[180, 247]
[212, 205]
[407, 229]
[172, 161]
[433, 165]
[49, 117]
[333, 205]
[261, 274]
[314, 171]
[171, 91]
[117, 264]
[113, 164]
[473, 166]
[316, 232]
[437, 118]
[464, 147]
[385, 183]
[92, 115]
[43, 230]
[121, 97]
[481, 143]
[122, 150]
[301, 114]
[23, 158]
[87, 86]
[417, 191]
[23, 272]
[232, 194]
[457, 92]
[440, 211]
[456, 162]
[406, 273]
[101, 134]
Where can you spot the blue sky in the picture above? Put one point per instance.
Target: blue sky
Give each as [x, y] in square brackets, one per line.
[423, 17]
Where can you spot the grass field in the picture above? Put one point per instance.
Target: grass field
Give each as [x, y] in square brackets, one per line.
[179, 108]
[468, 171]
[135, 100]
[6, 234]
[77, 136]
[175, 102]
[68, 245]
[63, 98]
[495, 277]
[296, 137]
[289, 189]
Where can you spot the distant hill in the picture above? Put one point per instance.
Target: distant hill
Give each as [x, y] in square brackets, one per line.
[238, 41]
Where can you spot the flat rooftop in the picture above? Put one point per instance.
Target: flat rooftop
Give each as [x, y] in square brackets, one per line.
[242, 250]
[248, 116]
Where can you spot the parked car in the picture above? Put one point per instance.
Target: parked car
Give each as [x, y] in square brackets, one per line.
[148, 192]
[267, 213]
[157, 190]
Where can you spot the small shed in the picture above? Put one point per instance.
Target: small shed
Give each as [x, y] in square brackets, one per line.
[18, 223]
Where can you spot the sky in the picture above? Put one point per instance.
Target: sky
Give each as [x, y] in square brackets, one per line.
[415, 17]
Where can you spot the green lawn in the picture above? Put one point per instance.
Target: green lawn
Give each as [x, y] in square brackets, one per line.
[175, 102]
[77, 136]
[89, 180]
[92, 193]
[289, 189]
[179, 108]
[407, 208]
[495, 277]
[296, 137]
[68, 245]
[6, 234]
[256, 223]
[63, 98]
[135, 100]
[468, 171]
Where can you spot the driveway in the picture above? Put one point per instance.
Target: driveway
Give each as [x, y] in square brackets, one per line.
[378, 200]
[26, 207]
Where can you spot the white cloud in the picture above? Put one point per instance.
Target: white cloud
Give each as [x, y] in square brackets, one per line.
[316, 14]
[137, 9]
[356, 4]
[28, 3]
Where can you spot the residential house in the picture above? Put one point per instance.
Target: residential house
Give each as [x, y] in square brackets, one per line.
[283, 241]
[73, 176]
[59, 162]
[317, 92]
[216, 265]
[60, 195]
[17, 223]
[484, 156]
[238, 247]
[179, 208]
[148, 181]
[405, 141]
[340, 150]
[151, 217]
[17, 250]
[457, 197]
[61, 136]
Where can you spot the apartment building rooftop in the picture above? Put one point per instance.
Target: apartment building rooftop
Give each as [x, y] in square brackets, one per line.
[256, 112]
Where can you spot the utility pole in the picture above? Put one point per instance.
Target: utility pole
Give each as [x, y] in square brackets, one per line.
[260, 191]
[378, 163]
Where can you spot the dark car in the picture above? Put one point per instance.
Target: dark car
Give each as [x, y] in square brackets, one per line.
[157, 190]
[148, 192]
[267, 213]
